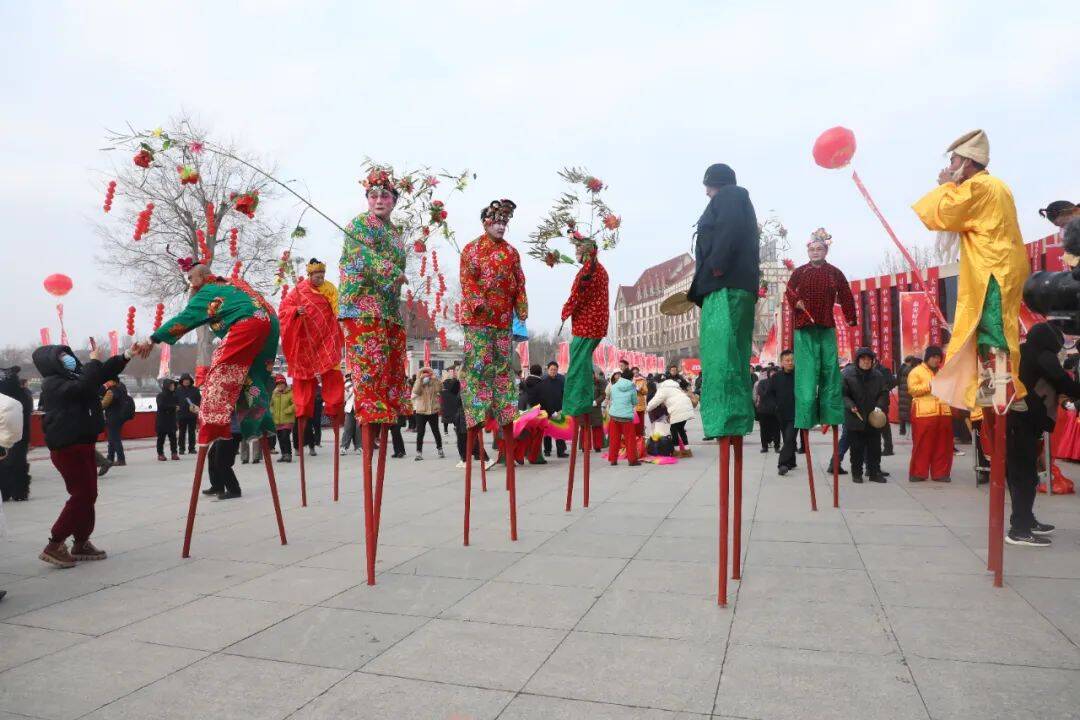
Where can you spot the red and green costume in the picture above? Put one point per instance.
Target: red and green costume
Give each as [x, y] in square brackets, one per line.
[312, 343]
[240, 369]
[587, 309]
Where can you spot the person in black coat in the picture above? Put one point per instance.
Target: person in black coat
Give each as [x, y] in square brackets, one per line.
[765, 411]
[119, 408]
[864, 392]
[886, 432]
[551, 399]
[902, 394]
[781, 395]
[1046, 381]
[73, 420]
[188, 400]
[14, 468]
[165, 419]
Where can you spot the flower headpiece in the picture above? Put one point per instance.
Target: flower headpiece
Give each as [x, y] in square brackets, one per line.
[186, 263]
[383, 177]
[498, 210]
[314, 265]
[602, 230]
[820, 236]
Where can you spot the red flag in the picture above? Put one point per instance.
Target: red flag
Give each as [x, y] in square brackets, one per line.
[523, 353]
[915, 322]
[46, 337]
[769, 352]
[427, 353]
[166, 356]
[564, 355]
[114, 342]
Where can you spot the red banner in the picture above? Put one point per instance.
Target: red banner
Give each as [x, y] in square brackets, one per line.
[932, 288]
[886, 322]
[427, 353]
[843, 336]
[114, 343]
[691, 366]
[916, 319]
[1034, 252]
[563, 357]
[871, 289]
[787, 327]
[523, 353]
[46, 336]
[166, 358]
[769, 352]
[856, 332]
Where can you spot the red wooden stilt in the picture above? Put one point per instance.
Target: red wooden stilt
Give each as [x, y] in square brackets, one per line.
[469, 435]
[380, 475]
[483, 458]
[996, 550]
[586, 440]
[369, 512]
[573, 458]
[736, 530]
[725, 448]
[200, 462]
[836, 467]
[809, 468]
[511, 481]
[989, 427]
[269, 462]
[301, 427]
[337, 457]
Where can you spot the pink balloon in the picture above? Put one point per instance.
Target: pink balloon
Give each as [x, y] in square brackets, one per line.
[834, 148]
[58, 284]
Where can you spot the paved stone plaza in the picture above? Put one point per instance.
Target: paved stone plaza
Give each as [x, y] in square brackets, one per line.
[882, 609]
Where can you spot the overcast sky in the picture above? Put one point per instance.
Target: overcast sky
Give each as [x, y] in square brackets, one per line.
[644, 94]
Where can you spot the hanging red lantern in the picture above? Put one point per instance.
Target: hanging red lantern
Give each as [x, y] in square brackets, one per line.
[204, 249]
[442, 339]
[131, 320]
[58, 284]
[435, 260]
[427, 286]
[232, 242]
[211, 221]
[109, 194]
[236, 269]
[159, 315]
[834, 148]
[423, 265]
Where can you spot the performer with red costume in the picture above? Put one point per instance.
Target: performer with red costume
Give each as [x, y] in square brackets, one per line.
[931, 423]
[492, 290]
[312, 342]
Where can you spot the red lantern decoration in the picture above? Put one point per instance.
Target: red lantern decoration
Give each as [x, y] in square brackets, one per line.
[435, 260]
[109, 194]
[442, 339]
[131, 320]
[211, 221]
[204, 249]
[58, 284]
[142, 223]
[834, 148]
[236, 269]
[232, 242]
[159, 315]
[423, 265]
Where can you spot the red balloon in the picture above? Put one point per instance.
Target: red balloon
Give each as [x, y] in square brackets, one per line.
[58, 284]
[834, 148]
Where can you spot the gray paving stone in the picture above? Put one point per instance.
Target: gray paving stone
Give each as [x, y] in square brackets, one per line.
[210, 623]
[589, 572]
[225, 687]
[537, 707]
[784, 684]
[795, 531]
[586, 544]
[351, 557]
[649, 672]
[905, 535]
[203, 577]
[94, 673]
[689, 578]
[362, 696]
[764, 584]
[663, 615]
[32, 593]
[22, 644]
[105, 610]
[925, 590]
[405, 594]
[498, 657]
[523, 604]
[803, 554]
[296, 584]
[680, 549]
[1057, 599]
[459, 562]
[962, 690]
[823, 626]
[897, 561]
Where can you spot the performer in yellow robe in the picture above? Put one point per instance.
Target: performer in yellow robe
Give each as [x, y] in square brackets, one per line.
[993, 267]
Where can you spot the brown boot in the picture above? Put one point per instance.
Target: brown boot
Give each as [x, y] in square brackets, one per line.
[57, 554]
[86, 551]
[175, 456]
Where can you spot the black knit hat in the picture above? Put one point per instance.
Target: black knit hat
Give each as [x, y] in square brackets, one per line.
[863, 351]
[932, 351]
[719, 175]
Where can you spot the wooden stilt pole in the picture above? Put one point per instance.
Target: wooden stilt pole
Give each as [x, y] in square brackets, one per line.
[200, 462]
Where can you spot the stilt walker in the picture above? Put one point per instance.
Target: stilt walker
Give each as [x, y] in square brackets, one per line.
[372, 272]
[976, 210]
[587, 306]
[726, 280]
[812, 291]
[239, 374]
[312, 342]
[492, 289]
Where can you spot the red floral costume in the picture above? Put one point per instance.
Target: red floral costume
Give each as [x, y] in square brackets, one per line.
[587, 308]
[312, 343]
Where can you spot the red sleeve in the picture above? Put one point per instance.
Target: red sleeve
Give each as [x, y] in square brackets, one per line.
[470, 289]
[521, 300]
[576, 292]
[792, 291]
[847, 300]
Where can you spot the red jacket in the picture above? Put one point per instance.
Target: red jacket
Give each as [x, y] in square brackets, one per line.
[588, 302]
[819, 287]
[492, 284]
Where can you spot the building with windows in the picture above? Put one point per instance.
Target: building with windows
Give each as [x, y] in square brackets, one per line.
[640, 326]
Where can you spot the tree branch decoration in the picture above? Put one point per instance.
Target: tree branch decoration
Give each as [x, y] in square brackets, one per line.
[564, 220]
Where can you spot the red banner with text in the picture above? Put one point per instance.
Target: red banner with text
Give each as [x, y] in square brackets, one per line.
[916, 319]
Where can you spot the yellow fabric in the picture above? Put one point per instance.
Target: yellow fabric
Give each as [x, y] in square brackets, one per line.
[982, 211]
[923, 402]
[328, 291]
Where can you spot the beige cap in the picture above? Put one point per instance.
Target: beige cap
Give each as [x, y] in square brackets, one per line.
[973, 145]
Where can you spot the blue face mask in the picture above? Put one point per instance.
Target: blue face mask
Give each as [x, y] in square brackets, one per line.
[69, 362]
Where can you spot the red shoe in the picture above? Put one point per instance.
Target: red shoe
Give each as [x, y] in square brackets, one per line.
[161, 458]
[175, 456]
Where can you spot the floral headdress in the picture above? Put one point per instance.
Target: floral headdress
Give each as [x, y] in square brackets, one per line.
[820, 236]
[382, 177]
[498, 210]
[601, 231]
[314, 265]
[186, 263]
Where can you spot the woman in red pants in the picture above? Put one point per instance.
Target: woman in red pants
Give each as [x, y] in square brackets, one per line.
[931, 423]
[621, 426]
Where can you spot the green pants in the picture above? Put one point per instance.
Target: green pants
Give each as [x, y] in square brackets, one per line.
[727, 328]
[578, 392]
[991, 330]
[818, 390]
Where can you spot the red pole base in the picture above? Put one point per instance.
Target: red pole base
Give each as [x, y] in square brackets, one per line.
[380, 476]
[836, 467]
[996, 548]
[721, 594]
[736, 530]
[483, 464]
[809, 468]
[200, 462]
[470, 435]
[369, 507]
[269, 463]
[301, 427]
[337, 458]
[573, 459]
[511, 480]
[586, 441]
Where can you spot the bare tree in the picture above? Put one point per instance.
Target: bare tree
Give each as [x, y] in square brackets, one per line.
[146, 267]
[894, 263]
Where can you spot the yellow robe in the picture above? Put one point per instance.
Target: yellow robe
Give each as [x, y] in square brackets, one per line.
[982, 211]
[330, 292]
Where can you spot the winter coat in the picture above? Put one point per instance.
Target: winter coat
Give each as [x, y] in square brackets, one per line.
[186, 397]
[642, 395]
[116, 402]
[425, 395]
[903, 395]
[282, 408]
[780, 394]
[73, 413]
[890, 383]
[669, 394]
[763, 404]
[531, 387]
[623, 399]
[450, 404]
[726, 254]
[923, 401]
[596, 414]
[165, 419]
[1043, 376]
[551, 393]
[864, 390]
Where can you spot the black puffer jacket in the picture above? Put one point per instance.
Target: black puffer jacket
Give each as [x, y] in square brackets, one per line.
[903, 396]
[780, 394]
[530, 390]
[72, 406]
[186, 397]
[165, 420]
[864, 390]
[115, 413]
[551, 393]
[1043, 376]
[726, 254]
